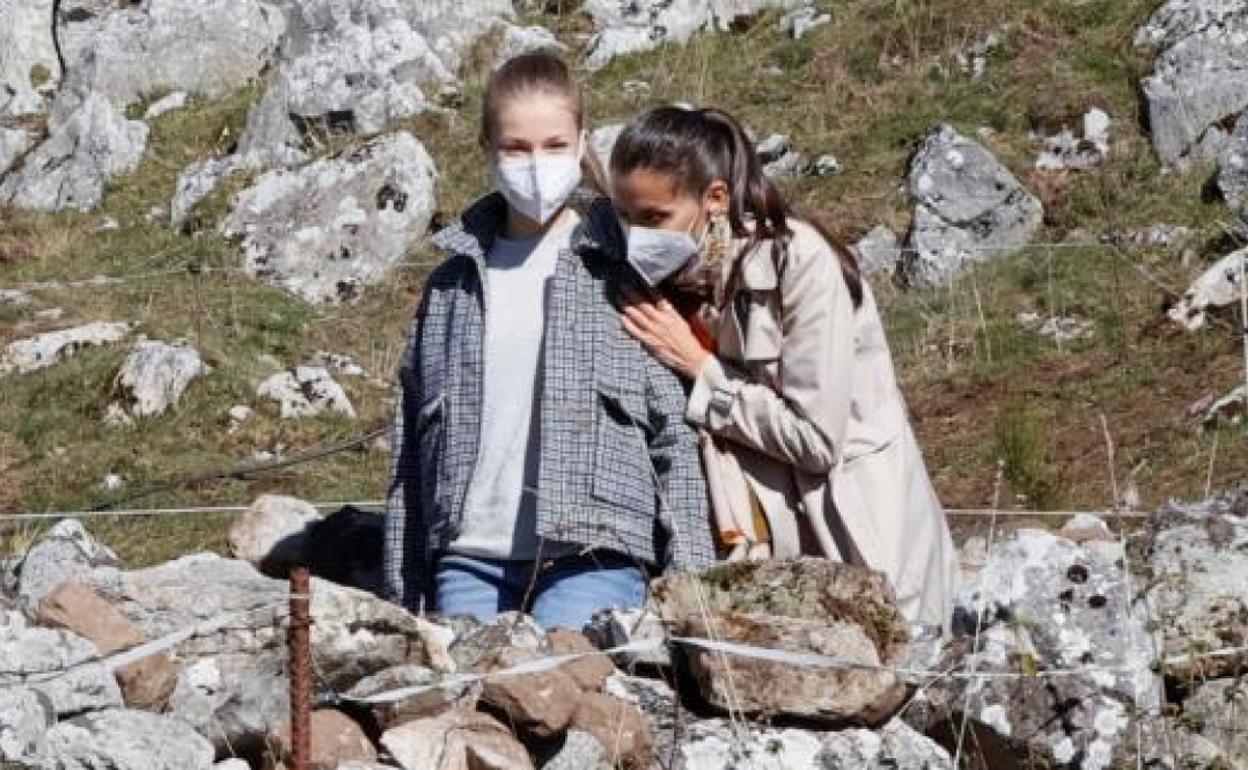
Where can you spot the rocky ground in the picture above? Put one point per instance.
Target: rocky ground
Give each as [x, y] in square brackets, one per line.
[1085, 648]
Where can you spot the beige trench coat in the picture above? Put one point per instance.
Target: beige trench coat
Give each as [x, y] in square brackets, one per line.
[801, 407]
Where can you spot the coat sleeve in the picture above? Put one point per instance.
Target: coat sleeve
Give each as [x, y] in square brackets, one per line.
[684, 518]
[805, 422]
[404, 557]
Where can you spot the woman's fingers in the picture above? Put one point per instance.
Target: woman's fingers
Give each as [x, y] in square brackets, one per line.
[638, 330]
[638, 315]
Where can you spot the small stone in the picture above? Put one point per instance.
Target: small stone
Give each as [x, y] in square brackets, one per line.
[429, 703]
[1218, 286]
[174, 101]
[635, 88]
[1085, 527]
[50, 314]
[13, 297]
[339, 363]
[155, 375]
[590, 671]
[108, 224]
[456, 739]
[334, 737]
[240, 413]
[618, 726]
[112, 482]
[580, 751]
[616, 627]
[306, 391]
[271, 522]
[825, 165]
[473, 645]
[802, 20]
[773, 148]
[540, 703]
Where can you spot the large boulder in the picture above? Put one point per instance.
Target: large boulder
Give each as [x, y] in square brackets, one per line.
[145, 683]
[329, 229]
[452, 29]
[1232, 177]
[59, 665]
[135, 740]
[25, 716]
[87, 146]
[66, 552]
[346, 67]
[1197, 567]
[632, 26]
[29, 66]
[1215, 710]
[716, 745]
[140, 50]
[800, 606]
[43, 350]
[1042, 604]
[13, 142]
[968, 208]
[1200, 77]
[233, 699]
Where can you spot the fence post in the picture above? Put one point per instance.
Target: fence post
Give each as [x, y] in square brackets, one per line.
[300, 670]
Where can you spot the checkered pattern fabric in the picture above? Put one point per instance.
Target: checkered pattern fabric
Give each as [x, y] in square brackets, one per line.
[618, 466]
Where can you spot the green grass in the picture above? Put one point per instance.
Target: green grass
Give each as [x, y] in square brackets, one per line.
[867, 88]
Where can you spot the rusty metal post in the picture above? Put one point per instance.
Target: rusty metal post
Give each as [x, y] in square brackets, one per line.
[300, 670]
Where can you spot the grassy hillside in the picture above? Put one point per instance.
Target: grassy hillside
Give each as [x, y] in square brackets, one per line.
[866, 87]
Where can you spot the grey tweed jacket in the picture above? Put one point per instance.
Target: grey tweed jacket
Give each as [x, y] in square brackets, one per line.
[618, 466]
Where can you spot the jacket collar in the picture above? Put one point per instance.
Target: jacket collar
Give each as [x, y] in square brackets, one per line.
[476, 229]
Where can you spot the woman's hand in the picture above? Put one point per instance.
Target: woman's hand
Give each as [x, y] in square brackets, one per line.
[662, 331]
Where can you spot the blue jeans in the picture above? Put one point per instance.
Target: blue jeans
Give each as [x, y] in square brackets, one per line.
[565, 593]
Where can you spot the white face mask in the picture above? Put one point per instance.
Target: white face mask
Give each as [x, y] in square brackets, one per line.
[539, 185]
[659, 254]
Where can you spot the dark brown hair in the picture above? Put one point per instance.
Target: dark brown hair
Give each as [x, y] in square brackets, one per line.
[698, 147]
[538, 72]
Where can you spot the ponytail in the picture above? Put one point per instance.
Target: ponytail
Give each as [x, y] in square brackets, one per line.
[699, 147]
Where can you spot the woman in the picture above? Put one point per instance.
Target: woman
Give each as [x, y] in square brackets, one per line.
[541, 460]
[805, 438]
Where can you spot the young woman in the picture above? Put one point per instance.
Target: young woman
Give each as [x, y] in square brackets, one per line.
[540, 456]
[805, 438]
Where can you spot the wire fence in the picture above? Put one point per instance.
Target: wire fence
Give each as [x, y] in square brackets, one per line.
[946, 315]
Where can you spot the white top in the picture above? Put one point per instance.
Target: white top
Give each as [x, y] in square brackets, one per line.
[500, 514]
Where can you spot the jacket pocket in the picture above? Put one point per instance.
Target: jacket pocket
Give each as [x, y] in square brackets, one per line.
[623, 476]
